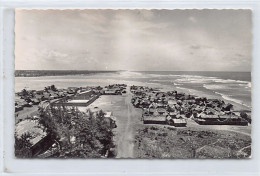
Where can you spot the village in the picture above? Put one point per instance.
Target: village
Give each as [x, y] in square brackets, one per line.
[28, 98]
[166, 108]
[173, 108]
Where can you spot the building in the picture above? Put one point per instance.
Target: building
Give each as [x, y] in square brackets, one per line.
[179, 122]
[231, 119]
[110, 92]
[154, 119]
[39, 139]
[86, 95]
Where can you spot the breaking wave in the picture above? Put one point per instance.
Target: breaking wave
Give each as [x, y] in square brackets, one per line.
[176, 84]
[215, 86]
[229, 98]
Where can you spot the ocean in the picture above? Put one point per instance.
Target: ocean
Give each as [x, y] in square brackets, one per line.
[233, 87]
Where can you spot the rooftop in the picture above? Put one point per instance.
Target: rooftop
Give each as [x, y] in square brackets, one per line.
[32, 127]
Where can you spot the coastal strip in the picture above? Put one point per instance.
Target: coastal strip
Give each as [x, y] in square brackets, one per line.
[37, 73]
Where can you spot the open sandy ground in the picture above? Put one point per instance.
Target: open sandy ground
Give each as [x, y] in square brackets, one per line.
[127, 117]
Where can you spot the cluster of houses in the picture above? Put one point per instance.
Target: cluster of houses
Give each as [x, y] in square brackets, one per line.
[158, 107]
[115, 89]
[174, 108]
[27, 98]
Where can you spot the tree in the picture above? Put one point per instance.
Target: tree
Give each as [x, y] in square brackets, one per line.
[23, 145]
[25, 92]
[52, 87]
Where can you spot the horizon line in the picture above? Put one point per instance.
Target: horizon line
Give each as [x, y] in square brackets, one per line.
[141, 70]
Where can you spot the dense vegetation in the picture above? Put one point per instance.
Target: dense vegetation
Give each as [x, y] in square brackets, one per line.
[35, 73]
[22, 146]
[80, 135]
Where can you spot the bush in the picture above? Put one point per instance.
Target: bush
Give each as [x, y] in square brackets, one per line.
[22, 146]
[153, 128]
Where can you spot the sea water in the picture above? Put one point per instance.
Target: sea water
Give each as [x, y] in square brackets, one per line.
[232, 86]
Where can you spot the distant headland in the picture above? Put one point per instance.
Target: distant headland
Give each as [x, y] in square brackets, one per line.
[37, 73]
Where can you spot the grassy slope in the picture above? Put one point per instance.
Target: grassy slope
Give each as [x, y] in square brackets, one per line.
[168, 142]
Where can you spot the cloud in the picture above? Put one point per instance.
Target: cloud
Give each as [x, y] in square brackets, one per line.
[192, 19]
[53, 54]
[133, 39]
[195, 47]
[147, 14]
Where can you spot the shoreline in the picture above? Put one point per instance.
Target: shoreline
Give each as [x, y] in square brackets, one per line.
[237, 106]
[112, 78]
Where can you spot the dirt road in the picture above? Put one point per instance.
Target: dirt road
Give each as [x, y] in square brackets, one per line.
[127, 117]
[125, 129]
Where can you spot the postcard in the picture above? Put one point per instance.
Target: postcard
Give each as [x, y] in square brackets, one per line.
[143, 84]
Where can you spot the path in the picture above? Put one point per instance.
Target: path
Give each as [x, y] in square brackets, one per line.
[127, 117]
[125, 129]
[241, 152]
[199, 149]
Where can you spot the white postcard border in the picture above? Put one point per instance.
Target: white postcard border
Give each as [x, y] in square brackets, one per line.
[14, 166]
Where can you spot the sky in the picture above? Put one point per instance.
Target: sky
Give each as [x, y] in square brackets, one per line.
[134, 40]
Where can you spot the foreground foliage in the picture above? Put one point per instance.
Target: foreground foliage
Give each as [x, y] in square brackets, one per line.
[22, 146]
[80, 135]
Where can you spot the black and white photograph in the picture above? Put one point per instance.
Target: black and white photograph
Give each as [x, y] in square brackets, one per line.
[133, 83]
